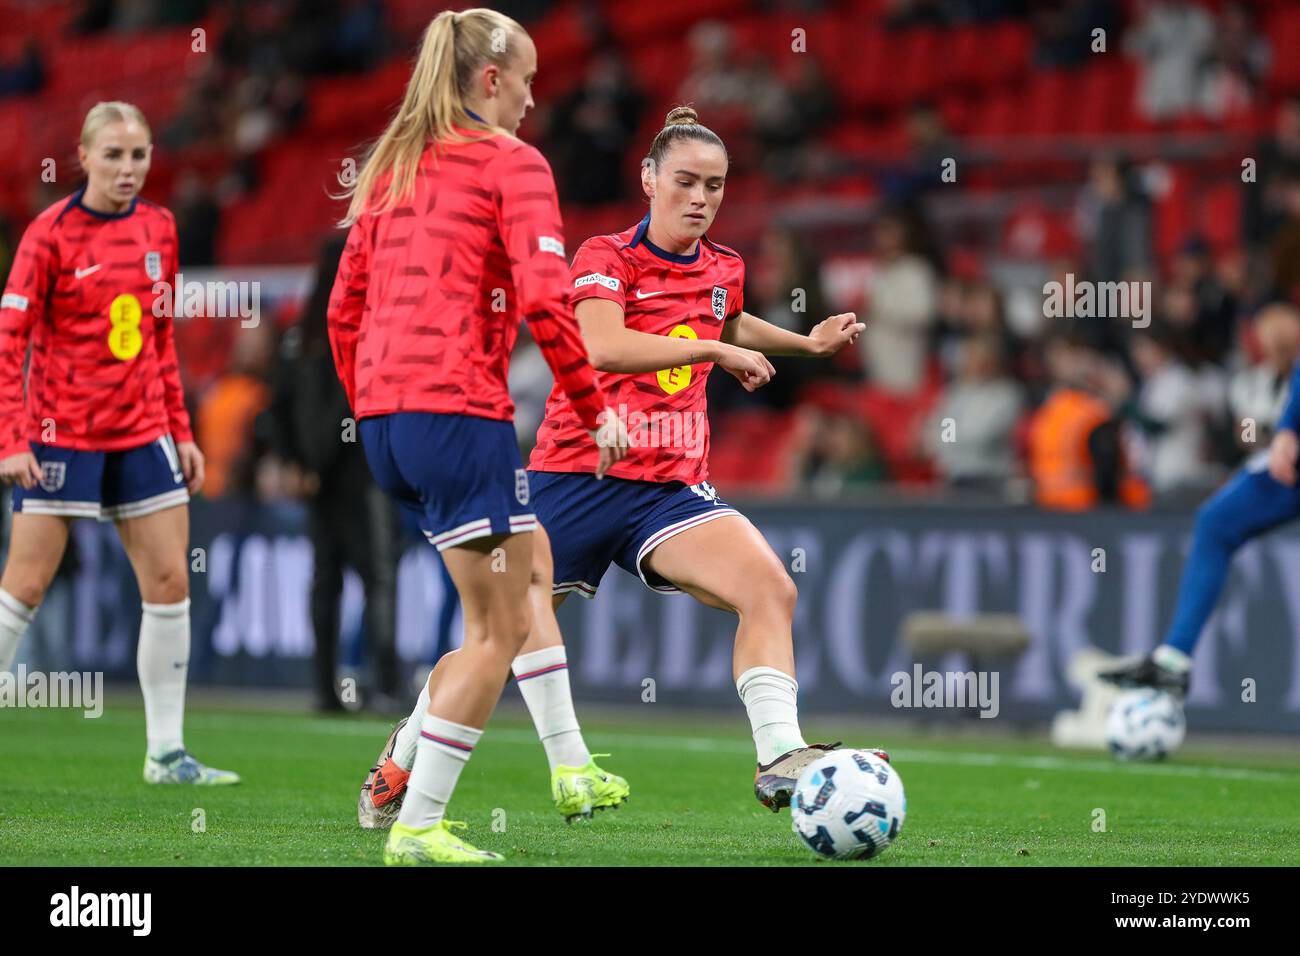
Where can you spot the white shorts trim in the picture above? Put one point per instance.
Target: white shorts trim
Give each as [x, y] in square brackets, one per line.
[66, 509]
[672, 530]
[145, 506]
[479, 528]
[580, 587]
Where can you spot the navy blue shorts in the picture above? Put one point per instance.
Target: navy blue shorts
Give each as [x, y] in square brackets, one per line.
[592, 523]
[459, 476]
[107, 485]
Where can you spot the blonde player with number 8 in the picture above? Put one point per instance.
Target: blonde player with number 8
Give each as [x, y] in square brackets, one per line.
[99, 429]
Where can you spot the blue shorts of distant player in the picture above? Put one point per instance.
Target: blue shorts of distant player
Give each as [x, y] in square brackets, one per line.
[459, 476]
[107, 485]
[594, 523]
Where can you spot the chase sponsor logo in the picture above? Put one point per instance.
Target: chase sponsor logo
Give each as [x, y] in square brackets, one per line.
[608, 282]
[12, 300]
[551, 244]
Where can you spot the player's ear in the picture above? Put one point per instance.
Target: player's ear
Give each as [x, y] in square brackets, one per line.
[491, 79]
[648, 177]
[82, 156]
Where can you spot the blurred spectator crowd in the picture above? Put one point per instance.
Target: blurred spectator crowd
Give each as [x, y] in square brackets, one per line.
[962, 380]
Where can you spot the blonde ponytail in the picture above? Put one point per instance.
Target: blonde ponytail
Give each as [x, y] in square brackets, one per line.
[454, 48]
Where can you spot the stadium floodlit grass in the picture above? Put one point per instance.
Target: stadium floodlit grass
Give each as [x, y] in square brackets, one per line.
[71, 795]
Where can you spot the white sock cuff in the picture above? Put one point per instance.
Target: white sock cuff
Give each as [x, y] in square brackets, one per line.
[179, 609]
[765, 675]
[450, 736]
[539, 662]
[16, 607]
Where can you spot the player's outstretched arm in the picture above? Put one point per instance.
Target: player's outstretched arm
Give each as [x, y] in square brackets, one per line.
[828, 337]
[613, 347]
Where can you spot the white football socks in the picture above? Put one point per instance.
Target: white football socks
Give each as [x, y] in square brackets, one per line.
[14, 618]
[770, 698]
[408, 738]
[443, 750]
[543, 679]
[162, 661]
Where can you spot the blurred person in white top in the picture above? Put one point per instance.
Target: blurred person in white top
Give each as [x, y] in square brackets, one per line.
[903, 297]
[1258, 393]
[1169, 409]
[971, 433]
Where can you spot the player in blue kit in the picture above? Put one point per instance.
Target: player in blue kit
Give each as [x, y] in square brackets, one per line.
[1260, 497]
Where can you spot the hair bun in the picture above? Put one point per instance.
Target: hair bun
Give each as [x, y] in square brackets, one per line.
[681, 116]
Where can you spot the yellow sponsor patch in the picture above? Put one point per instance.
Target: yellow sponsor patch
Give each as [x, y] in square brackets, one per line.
[675, 379]
[124, 338]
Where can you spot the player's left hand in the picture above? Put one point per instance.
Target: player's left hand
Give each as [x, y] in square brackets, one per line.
[831, 335]
[191, 465]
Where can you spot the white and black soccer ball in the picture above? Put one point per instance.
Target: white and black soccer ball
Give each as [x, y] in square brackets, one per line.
[848, 805]
[1145, 724]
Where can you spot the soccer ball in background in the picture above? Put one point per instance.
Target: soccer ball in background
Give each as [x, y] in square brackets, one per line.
[848, 805]
[1145, 724]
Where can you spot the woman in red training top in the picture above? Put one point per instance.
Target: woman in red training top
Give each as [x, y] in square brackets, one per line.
[660, 304]
[100, 431]
[456, 237]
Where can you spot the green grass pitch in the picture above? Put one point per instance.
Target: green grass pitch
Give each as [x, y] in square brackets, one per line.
[71, 794]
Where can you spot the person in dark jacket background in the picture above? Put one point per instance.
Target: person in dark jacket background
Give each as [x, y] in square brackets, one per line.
[350, 520]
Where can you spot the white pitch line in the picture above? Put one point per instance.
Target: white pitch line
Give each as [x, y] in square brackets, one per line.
[379, 729]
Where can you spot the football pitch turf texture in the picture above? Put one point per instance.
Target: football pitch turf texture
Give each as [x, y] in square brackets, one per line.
[71, 794]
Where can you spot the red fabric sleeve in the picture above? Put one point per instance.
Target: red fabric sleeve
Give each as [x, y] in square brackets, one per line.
[22, 305]
[169, 367]
[347, 303]
[599, 272]
[528, 215]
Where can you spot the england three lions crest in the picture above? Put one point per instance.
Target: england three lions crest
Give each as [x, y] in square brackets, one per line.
[53, 474]
[521, 486]
[719, 303]
[153, 265]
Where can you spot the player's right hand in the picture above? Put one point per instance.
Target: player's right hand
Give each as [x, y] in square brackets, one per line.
[21, 469]
[750, 367]
[611, 438]
[1282, 456]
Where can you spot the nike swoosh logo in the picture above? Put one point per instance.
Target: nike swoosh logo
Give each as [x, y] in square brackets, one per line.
[82, 273]
[646, 295]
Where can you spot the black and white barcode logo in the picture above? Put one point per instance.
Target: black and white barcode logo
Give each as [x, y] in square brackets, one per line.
[73, 909]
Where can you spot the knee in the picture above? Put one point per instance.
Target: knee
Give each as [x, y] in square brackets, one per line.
[502, 631]
[1211, 525]
[25, 588]
[168, 586]
[543, 571]
[773, 593]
